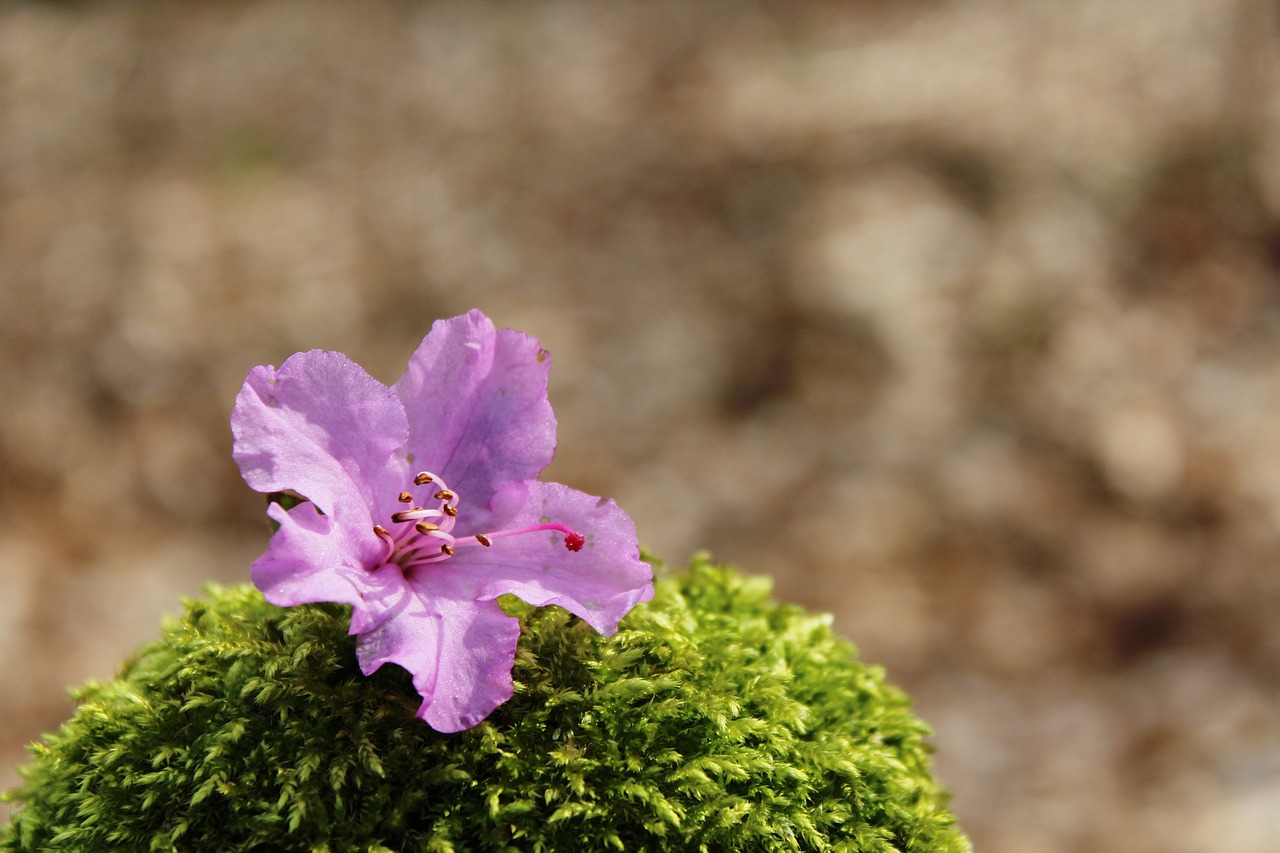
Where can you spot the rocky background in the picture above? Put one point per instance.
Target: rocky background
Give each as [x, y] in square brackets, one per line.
[960, 319]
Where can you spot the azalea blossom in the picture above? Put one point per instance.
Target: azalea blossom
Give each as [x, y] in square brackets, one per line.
[423, 506]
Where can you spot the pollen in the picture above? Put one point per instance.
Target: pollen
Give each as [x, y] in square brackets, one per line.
[405, 498]
[422, 479]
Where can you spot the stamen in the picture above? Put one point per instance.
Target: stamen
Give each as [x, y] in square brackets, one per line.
[414, 514]
[430, 540]
[406, 514]
[388, 543]
[413, 542]
[433, 541]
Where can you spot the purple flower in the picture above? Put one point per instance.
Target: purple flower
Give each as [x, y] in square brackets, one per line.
[424, 507]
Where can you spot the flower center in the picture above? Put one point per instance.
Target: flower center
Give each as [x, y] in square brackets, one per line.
[422, 534]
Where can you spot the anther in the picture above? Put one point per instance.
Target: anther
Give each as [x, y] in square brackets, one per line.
[425, 527]
[401, 517]
[422, 479]
[447, 550]
[405, 498]
[484, 540]
[445, 495]
[450, 510]
[379, 530]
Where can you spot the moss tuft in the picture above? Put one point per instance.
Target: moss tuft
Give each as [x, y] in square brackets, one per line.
[714, 720]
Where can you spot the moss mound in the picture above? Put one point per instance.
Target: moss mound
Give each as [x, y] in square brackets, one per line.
[714, 720]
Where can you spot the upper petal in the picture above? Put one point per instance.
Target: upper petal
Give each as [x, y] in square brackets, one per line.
[322, 426]
[476, 400]
[600, 583]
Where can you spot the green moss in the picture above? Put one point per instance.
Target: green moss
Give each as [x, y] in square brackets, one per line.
[714, 720]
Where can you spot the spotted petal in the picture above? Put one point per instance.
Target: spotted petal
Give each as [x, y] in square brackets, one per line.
[476, 400]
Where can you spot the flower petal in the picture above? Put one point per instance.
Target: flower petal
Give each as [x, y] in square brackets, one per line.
[476, 399]
[459, 652]
[404, 631]
[314, 557]
[477, 650]
[322, 426]
[600, 583]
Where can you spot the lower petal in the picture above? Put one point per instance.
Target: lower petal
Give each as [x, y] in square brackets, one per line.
[477, 650]
[458, 651]
[403, 631]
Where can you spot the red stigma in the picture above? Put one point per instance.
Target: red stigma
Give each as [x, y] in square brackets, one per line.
[574, 541]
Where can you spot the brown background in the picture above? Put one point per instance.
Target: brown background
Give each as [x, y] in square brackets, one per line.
[960, 319]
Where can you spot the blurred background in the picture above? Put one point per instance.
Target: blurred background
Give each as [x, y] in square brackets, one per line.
[960, 319]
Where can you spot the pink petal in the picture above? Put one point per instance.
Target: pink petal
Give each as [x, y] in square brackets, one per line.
[401, 629]
[476, 401]
[477, 651]
[600, 583]
[459, 653]
[314, 557]
[322, 426]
